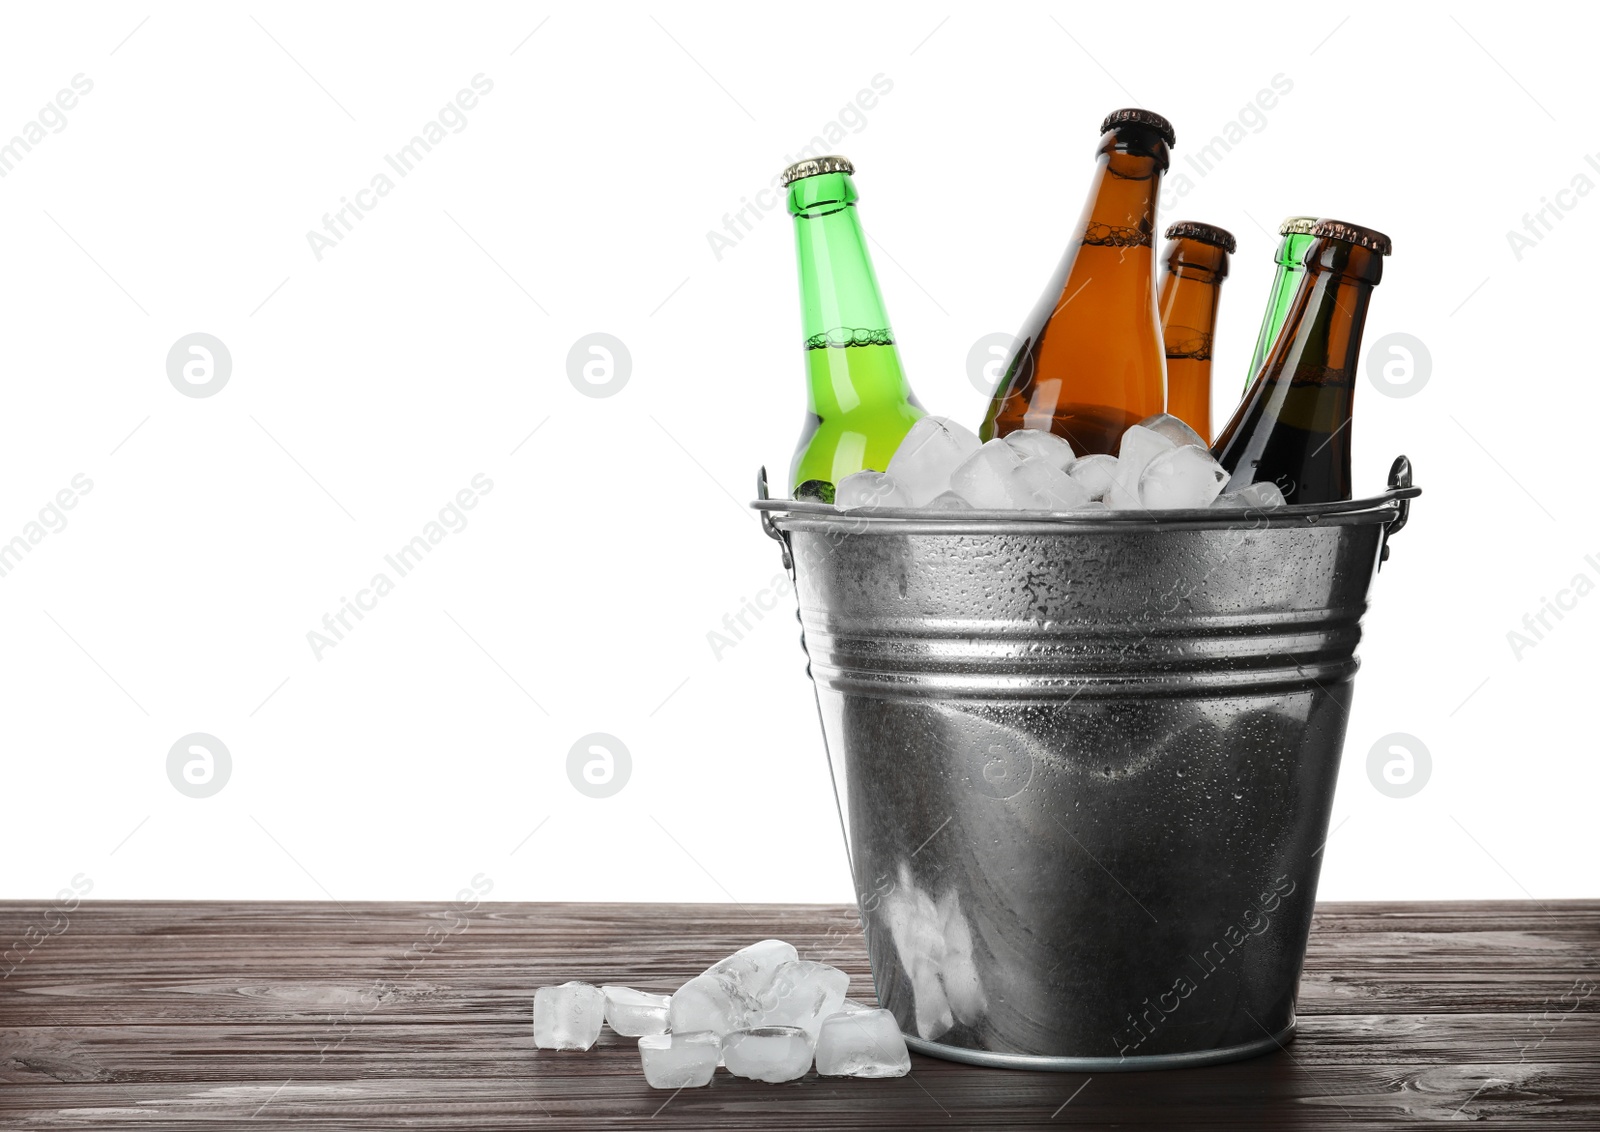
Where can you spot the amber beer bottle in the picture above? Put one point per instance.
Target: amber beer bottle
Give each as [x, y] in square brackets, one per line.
[1197, 263]
[1089, 361]
[1293, 427]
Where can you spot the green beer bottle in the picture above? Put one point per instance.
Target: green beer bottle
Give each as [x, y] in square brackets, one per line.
[1296, 233]
[859, 406]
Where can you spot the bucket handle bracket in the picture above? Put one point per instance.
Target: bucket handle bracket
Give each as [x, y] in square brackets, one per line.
[770, 527]
[1401, 491]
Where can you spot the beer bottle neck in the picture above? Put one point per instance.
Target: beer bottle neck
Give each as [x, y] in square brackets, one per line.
[1285, 282]
[839, 300]
[1292, 427]
[1197, 261]
[1190, 290]
[1321, 339]
[1292, 249]
[1121, 211]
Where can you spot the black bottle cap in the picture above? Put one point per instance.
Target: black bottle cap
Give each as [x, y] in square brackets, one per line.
[1205, 233]
[1353, 234]
[1144, 118]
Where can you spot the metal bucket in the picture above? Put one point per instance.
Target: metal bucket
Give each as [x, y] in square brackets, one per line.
[1085, 765]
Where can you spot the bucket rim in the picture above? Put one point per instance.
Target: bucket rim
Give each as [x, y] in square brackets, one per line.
[813, 515]
[779, 517]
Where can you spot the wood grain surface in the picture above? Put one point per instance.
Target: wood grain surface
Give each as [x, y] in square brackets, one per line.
[387, 1016]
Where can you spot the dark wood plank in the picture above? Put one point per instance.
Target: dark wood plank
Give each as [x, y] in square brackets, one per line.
[179, 1015]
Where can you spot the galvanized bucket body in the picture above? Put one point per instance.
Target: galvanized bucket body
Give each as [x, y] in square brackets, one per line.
[1085, 767]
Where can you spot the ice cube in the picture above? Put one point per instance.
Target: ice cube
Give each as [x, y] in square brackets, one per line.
[1174, 429]
[1039, 485]
[869, 489]
[802, 994]
[753, 967]
[1139, 446]
[633, 1013]
[867, 1043]
[1094, 474]
[1119, 498]
[851, 1006]
[959, 972]
[713, 1002]
[1047, 446]
[949, 501]
[918, 936]
[981, 477]
[933, 449]
[679, 1061]
[1181, 477]
[1262, 494]
[996, 478]
[567, 1016]
[768, 1053]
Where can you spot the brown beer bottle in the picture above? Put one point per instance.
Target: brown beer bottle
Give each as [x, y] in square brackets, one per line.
[1293, 427]
[1197, 263]
[1088, 361]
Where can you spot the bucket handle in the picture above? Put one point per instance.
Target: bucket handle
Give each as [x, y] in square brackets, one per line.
[1401, 491]
[782, 537]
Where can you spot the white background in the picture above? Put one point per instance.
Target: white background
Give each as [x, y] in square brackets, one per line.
[369, 387]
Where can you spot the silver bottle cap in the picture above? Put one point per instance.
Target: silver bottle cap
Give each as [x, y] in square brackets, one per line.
[813, 166]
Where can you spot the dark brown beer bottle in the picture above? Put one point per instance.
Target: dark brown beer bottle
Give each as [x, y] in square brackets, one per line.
[1293, 427]
[1197, 263]
[1088, 361]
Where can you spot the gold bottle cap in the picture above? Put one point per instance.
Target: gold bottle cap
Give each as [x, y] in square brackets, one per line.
[1352, 234]
[1144, 118]
[1205, 233]
[1297, 225]
[813, 166]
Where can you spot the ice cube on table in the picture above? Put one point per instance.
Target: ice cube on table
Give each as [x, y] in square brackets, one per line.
[753, 967]
[679, 1061]
[802, 994]
[1174, 429]
[866, 1043]
[934, 447]
[1181, 477]
[567, 1016]
[1094, 473]
[869, 489]
[1263, 494]
[1047, 446]
[634, 1013]
[768, 1053]
[980, 479]
[949, 501]
[711, 1002]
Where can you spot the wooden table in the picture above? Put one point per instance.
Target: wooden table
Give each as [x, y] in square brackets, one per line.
[303, 1015]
